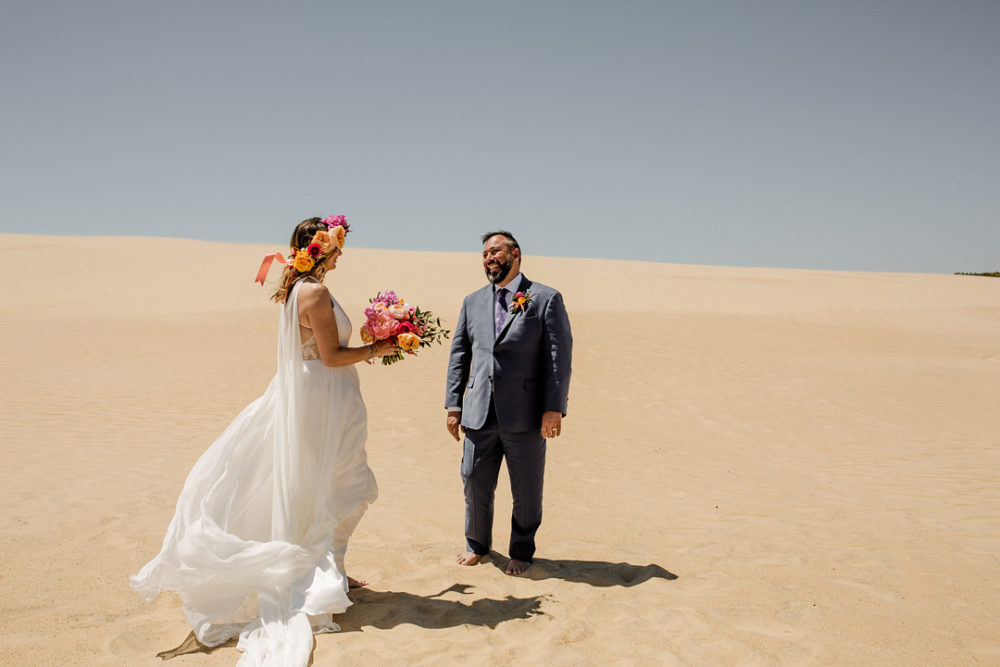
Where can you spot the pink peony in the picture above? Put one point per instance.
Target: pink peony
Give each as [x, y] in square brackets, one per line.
[383, 325]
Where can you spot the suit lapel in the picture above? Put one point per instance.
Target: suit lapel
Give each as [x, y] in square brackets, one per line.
[525, 284]
[488, 326]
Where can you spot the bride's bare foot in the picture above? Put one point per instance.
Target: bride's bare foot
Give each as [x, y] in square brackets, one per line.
[469, 558]
[516, 567]
[356, 583]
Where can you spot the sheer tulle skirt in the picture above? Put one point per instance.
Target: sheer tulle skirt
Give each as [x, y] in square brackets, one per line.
[256, 546]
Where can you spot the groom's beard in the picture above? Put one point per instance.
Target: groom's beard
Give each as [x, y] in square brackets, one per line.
[498, 273]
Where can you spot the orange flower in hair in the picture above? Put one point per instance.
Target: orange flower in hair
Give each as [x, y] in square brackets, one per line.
[324, 241]
[303, 262]
[339, 235]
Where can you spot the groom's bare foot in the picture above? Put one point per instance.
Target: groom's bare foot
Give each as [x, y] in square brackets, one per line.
[356, 583]
[469, 558]
[516, 567]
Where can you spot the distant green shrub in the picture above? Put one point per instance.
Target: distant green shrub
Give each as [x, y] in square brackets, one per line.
[991, 274]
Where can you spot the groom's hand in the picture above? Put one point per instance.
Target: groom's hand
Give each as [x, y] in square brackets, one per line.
[551, 424]
[455, 424]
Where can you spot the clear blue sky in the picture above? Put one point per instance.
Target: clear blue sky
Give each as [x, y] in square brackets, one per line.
[858, 134]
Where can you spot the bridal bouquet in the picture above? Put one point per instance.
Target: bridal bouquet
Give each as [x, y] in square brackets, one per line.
[405, 325]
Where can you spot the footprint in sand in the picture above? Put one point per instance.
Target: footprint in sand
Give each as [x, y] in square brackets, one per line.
[113, 533]
[874, 591]
[136, 642]
[797, 612]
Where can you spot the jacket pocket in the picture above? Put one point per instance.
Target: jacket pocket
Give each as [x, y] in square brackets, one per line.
[529, 385]
[471, 382]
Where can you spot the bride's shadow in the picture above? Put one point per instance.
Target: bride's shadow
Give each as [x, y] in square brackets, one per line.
[387, 609]
[592, 572]
[192, 645]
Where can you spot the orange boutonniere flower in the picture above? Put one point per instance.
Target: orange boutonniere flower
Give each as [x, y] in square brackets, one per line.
[521, 301]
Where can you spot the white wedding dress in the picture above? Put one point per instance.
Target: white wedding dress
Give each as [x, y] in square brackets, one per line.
[256, 546]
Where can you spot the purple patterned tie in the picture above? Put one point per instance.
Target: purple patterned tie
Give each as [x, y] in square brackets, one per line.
[501, 315]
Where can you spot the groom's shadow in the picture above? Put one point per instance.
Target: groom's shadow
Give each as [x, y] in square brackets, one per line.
[592, 572]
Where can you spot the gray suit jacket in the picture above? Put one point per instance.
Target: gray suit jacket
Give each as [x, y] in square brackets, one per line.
[526, 367]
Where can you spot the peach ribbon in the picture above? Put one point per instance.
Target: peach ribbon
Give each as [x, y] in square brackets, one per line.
[265, 266]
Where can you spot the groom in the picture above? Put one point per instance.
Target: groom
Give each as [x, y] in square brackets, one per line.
[508, 379]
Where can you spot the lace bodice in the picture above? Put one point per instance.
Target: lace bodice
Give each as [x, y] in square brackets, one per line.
[310, 350]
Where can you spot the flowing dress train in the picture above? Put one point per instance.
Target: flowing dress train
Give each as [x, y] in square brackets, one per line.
[256, 546]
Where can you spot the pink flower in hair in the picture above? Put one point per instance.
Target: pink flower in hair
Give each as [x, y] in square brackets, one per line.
[332, 221]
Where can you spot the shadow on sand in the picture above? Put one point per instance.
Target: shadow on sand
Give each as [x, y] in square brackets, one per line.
[592, 572]
[192, 645]
[387, 609]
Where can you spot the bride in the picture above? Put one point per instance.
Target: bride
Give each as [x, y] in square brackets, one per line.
[256, 546]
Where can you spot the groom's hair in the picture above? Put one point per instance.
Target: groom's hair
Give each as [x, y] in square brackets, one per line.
[511, 241]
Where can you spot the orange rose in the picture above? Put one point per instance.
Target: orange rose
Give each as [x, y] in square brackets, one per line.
[366, 335]
[324, 241]
[338, 236]
[303, 262]
[408, 341]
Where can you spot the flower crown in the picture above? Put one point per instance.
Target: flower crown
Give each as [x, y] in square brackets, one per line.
[323, 242]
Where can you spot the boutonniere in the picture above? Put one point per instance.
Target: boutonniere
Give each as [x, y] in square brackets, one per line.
[521, 301]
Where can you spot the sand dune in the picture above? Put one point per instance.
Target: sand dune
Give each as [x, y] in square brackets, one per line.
[760, 466]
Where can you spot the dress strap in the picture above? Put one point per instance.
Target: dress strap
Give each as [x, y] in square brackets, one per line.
[310, 279]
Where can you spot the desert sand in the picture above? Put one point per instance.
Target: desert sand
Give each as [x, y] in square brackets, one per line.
[759, 466]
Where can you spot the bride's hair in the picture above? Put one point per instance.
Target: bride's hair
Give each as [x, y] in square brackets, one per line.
[301, 237]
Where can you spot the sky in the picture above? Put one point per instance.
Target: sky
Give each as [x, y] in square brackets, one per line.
[854, 135]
